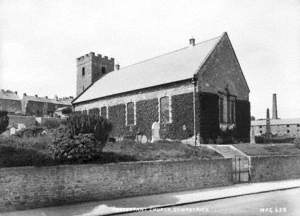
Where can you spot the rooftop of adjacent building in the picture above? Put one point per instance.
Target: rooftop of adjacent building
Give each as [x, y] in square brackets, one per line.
[13, 95]
[8, 94]
[288, 121]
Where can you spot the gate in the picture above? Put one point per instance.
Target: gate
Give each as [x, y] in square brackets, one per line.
[241, 169]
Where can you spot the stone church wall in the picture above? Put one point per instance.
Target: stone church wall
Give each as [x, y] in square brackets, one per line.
[116, 115]
[147, 111]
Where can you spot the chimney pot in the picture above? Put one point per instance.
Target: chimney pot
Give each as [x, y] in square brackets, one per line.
[192, 41]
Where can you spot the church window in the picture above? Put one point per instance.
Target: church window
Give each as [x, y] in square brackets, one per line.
[227, 109]
[94, 111]
[221, 110]
[83, 71]
[130, 116]
[164, 110]
[103, 112]
[103, 70]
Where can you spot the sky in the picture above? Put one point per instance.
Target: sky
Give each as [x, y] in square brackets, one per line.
[41, 39]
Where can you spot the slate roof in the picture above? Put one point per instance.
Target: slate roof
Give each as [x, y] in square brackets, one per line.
[175, 66]
[289, 121]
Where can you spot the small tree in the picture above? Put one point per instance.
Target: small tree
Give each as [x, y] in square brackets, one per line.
[4, 120]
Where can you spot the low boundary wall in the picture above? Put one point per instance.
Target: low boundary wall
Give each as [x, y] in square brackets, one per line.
[33, 187]
[271, 168]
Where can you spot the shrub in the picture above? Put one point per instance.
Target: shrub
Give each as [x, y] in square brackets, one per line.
[4, 120]
[82, 138]
[51, 123]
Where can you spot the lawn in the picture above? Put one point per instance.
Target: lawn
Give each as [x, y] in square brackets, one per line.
[33, 151]
[268, 149]
[161, 150]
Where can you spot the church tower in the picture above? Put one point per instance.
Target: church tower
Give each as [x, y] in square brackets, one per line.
[90, 68]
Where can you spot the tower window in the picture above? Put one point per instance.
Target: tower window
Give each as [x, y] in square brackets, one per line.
[103, 70]
[83, 71]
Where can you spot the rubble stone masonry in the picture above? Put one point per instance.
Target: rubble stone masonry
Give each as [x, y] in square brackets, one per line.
[33, 187]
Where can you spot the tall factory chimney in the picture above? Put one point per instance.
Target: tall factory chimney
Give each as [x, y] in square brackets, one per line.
[274, 108]
[268, 125]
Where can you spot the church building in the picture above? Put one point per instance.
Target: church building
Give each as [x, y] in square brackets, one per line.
[196, 90]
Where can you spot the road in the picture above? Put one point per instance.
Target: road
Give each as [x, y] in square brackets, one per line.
[284, 202]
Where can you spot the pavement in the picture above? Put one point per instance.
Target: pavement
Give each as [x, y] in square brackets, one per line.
[134, 204]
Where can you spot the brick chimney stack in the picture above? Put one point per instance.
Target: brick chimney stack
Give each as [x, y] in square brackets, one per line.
[274, 108]
[192, 41]
[268, 125]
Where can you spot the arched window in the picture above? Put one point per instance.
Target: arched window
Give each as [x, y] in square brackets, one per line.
[83, 71]
[227, 110]
[164, 110]
[103, 70]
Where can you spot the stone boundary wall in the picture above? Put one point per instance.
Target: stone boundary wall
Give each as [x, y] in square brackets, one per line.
[19, 119]
[275, 168]
[33, 187]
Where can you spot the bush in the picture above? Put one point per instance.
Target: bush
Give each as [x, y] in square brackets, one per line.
[82, 138]
[51, 123]
[4, 120]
